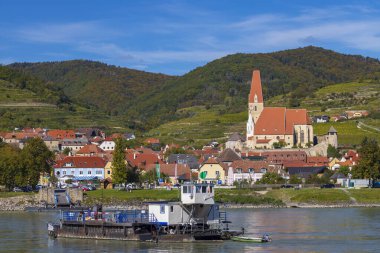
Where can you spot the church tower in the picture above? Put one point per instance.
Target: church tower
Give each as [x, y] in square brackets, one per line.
[255, 98]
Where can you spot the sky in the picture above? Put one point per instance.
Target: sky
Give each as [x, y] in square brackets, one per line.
[174, 37]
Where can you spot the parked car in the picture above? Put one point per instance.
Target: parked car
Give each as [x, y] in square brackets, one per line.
[91, 187]
[85, 188]
[286, 186]
[327, 186]
[17, 189]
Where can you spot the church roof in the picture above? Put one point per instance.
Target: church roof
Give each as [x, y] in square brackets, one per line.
[256, 88]
[279, 120]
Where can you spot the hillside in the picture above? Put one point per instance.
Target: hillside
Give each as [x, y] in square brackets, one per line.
[26, 101]
[201, 125]
[150, 100]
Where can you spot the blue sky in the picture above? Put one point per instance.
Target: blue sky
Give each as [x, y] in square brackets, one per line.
[174, 37]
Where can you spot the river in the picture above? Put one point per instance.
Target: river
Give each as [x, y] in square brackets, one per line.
[292, 230]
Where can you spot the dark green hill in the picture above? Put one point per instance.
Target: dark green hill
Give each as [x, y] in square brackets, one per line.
[155, 98]
[96, 85]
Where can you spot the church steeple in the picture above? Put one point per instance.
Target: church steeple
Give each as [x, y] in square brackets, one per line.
[256, 93]
[255, 98]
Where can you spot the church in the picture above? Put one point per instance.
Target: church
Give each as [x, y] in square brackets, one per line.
[268, 127]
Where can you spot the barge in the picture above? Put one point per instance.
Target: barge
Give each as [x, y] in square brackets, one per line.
[196, 217]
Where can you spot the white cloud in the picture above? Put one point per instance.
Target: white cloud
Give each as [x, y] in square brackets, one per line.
[66, 32]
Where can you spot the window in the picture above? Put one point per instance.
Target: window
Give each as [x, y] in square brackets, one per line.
[186, 189]
[239, 170]
[198, 189]
[217, 173]
[64, 172]
[250, 170]
[162, 209]
[89, 172]
[72, 172]
[108, 172]
[81, 172]
[263, 170]
[98, 172]
[171, 209]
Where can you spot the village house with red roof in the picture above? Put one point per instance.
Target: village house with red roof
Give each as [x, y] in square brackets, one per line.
[80, 167]
[269, 125]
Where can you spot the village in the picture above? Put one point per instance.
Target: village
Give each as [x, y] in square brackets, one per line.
[279, 149]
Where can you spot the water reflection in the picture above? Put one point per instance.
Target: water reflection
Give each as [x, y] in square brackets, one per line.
[292, 230]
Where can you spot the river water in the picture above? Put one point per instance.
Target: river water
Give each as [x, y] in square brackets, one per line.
[292, 230]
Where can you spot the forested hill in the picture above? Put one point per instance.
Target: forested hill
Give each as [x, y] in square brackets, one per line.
[154, 98]
[95, 85]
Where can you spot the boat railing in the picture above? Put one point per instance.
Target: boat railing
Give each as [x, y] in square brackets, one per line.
[125, 216]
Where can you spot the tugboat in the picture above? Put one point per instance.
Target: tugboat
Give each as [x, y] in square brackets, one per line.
[195, 217]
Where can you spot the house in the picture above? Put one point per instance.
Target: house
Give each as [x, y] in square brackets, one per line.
[90, 132]
[250, 171]
[339, 178]
[212, 171]
[306, 171]
[269, 125]
[152, 141]
[74, 145]
[235, 142]
[176, 172]
[90, 150]
[108, 144]
[141, 160]
[321, 119]
[61, 134]
[318, 160]
[277, 156]
[188, 159]
[81, 167]
[228, 156]
[51, 143]
[356, 114]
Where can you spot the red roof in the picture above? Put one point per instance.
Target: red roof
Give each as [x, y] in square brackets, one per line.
[81, 162]
[61, 134]
[152, 141]
[245, 165]
[90, 149]
[212, 160]
[279, 120]
[141, 160]
[318, 160]
[183, 171]
[256, 88]
[20, 135]
[295, 117]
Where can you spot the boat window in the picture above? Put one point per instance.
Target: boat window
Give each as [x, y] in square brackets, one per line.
[198, 189]
[204, 189]
[184, 189]
[171, 209]
[162, 209]
[211, 189]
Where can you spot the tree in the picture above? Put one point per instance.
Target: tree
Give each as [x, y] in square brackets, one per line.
[294, 179]
[333, 152]
[344, 170]
[36, 159]
[271, 178]
[66, 151]
[369, 165]
[10, 166]
[119, 168]
[279, 144]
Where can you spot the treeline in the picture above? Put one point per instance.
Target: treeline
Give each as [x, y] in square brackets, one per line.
[23, 167]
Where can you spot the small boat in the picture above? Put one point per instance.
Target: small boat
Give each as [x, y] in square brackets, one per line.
[263, 239]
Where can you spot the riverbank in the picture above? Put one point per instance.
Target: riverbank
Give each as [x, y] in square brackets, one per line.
[229, 198]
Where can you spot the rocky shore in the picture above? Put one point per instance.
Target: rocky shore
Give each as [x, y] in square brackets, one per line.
[19, 203]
